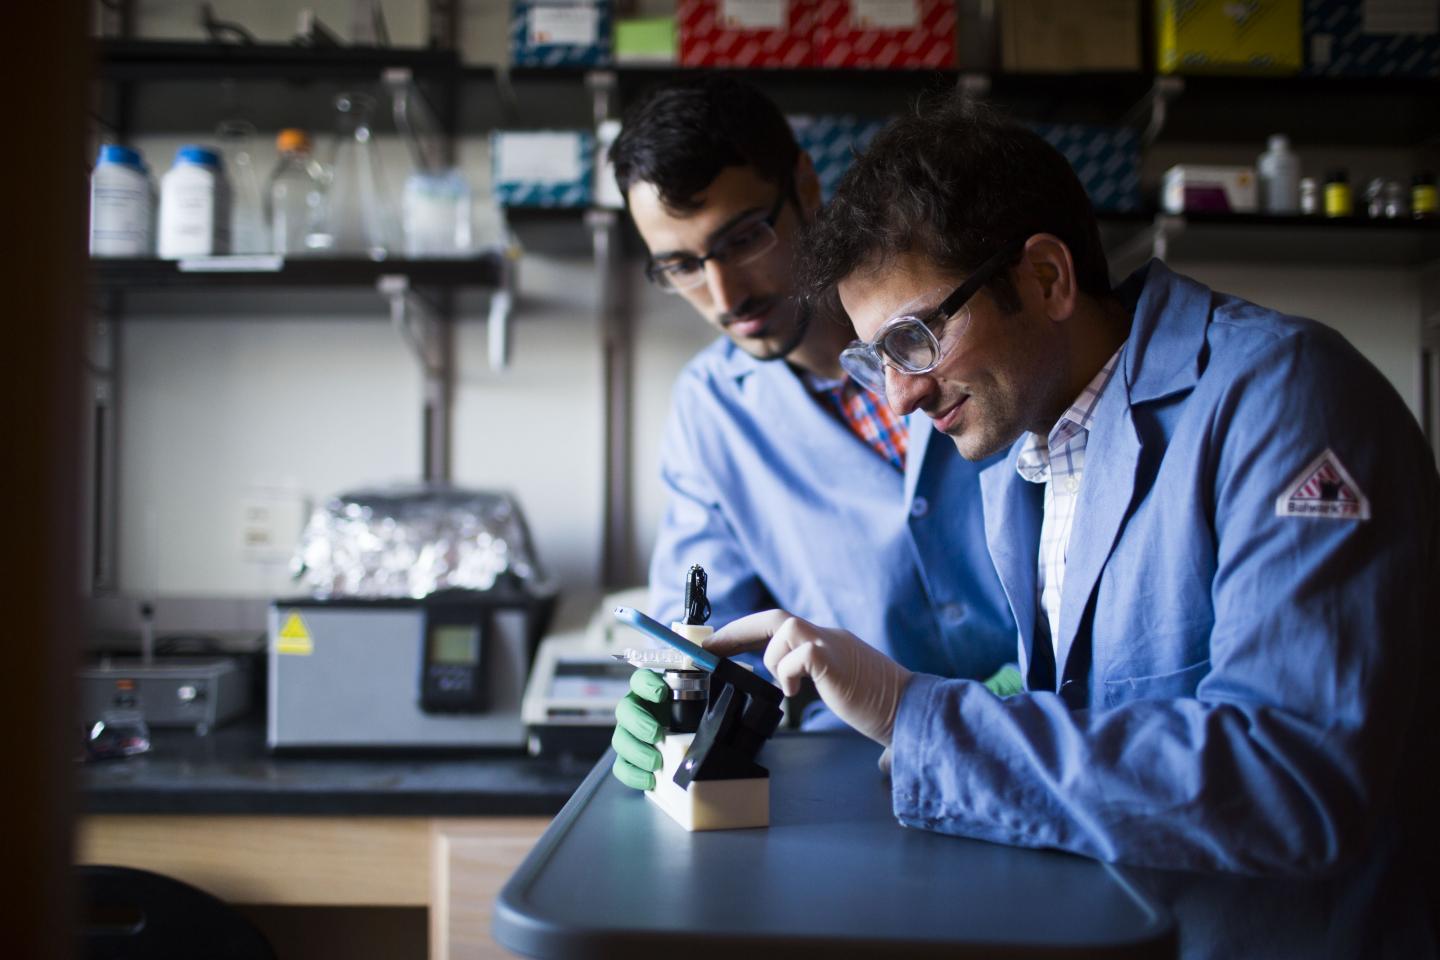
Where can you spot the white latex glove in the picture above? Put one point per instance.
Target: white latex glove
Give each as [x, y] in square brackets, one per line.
[859, 683]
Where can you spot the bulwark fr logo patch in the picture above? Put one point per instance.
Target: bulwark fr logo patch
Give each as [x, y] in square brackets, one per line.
[1324, 489]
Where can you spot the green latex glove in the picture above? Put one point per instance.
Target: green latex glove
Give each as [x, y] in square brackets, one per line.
[1006, 682]
[640, 724]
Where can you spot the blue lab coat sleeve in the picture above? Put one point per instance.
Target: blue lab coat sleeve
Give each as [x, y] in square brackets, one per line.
[1254, 678]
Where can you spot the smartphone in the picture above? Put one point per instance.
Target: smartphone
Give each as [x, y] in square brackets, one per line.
[703, 658]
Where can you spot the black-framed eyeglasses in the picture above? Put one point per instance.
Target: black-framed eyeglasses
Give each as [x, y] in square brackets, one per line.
[745, 243]
[915, 345]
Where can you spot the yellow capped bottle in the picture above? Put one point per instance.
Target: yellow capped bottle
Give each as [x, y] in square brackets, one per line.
[1338, 200]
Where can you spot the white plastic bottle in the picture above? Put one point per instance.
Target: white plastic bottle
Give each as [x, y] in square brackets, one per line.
[121, 204]
[295, 199]
[1279, 175]
[194, 206]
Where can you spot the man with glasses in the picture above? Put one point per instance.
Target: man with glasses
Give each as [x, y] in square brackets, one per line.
[1217, 527]
[790, 483]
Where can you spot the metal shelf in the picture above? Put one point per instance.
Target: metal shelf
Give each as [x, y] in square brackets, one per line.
[1350, 111]
[1267, 239]
[1377, 111]
[182, 60]
[150, 273]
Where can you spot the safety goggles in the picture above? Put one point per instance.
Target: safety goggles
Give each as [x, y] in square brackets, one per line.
[744, 244]
[915, 345]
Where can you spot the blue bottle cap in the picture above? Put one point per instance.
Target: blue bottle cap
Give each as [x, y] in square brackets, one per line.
[201, 155]
[114, 153]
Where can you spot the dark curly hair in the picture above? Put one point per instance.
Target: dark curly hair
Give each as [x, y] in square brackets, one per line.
[680, 136]
[954, 181]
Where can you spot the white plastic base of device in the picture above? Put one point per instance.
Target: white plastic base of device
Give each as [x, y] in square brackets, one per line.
[708, 804]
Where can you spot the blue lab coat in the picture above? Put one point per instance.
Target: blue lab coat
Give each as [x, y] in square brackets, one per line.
[1239, 692]
[785, 507]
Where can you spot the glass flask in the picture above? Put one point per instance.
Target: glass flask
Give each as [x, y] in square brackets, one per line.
[362, 218]
[236, 140]
[297, 209]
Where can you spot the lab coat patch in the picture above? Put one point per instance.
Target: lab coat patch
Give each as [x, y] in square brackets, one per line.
[1324, 489]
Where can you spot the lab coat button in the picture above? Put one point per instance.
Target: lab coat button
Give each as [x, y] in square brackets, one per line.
[919, 507]
[1072, 484]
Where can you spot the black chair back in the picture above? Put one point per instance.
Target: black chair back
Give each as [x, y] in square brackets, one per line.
[130, 914]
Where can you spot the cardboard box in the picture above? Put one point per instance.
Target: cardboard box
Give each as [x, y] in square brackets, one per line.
[1061, 36]
[560, 33]
[1106, 159]
[1353, 38]
[542, 168]
[887, 34]
[833, 142]
[647, 40]
[1190, 188]
[745, 33]
[1221, 36]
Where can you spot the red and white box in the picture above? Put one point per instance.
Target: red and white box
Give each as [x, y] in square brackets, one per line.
[745, 33]
[885, 34]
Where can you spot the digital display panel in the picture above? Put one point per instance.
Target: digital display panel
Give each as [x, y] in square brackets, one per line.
[458, 644]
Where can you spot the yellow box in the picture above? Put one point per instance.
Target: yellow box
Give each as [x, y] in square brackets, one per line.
[1228, 36]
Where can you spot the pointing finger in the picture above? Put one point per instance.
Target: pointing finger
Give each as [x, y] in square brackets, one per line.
[746, 634]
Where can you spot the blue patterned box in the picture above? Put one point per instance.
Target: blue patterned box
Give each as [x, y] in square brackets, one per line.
[560, 33]
[542, 168]
[1106, 159]
[833, 141]
[1350, 38]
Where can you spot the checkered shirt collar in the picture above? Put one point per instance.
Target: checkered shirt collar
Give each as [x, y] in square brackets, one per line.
[1038, 453]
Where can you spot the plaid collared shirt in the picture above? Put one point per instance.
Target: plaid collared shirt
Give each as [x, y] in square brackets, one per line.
[867, 415]
[1058, 461]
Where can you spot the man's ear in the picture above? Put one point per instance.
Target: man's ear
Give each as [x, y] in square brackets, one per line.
[807, 185]
[1052, 271]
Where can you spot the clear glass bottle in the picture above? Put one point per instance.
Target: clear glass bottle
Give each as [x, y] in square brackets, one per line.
[296, 201]
[236, 139]
[362, 218]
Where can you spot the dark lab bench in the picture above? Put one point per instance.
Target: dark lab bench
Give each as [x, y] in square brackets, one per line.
[231, 772]
[834, 875]
[440, 833]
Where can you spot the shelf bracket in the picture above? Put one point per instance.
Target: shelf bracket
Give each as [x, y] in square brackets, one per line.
[1151, 242]
[502, 307]
[415, 116]
[426, 331]
[412, 319]
[1153, 109]
[602, 85]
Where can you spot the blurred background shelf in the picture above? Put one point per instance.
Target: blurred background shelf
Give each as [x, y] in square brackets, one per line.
[151, 273]
[1269, 239]
[182, 60]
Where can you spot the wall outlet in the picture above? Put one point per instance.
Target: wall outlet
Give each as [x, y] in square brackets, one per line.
[270, 526]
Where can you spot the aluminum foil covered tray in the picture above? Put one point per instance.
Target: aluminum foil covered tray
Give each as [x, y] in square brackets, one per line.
[412, 541]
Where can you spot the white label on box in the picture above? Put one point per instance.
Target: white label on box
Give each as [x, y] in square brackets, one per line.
[753, 14]
[537, 157]
[260, 263]
[1400, 16]
[571, 26]
[885, 14]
